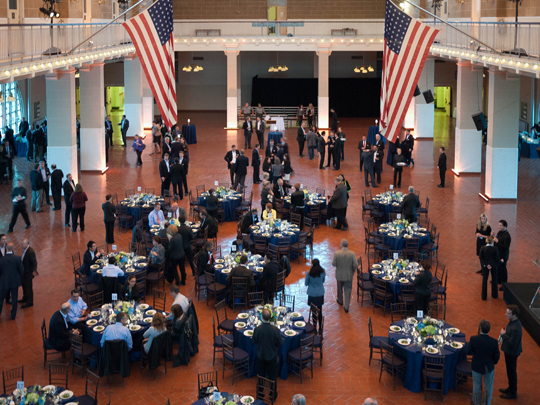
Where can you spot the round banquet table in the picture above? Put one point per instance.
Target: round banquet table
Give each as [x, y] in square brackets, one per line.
[189, 132]
[289, 343]
[136, 209]
[387, 208]
[58, 391]
[256, 261]
[203, 402]
[94, 338]
[274, 136]
[271, 238]
[528, 147]
[138, 266]
[21, 148]
[229, 204]
[398, 242]
[321, 202]
[415, 358]
[278, 126]
[394, 283]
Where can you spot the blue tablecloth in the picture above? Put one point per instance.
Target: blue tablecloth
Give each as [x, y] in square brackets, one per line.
[307, 207]
[387, 209]
[189, 132]
[22, 148]
[202, 401]
[136, 210]
[222, 277]
[275, 136]
[374, 130]
[95, 276]
[528, 149]
[398, 242]
[58, 391]
[228, 206]
[415, 360]
[289, 343]
[275, 239]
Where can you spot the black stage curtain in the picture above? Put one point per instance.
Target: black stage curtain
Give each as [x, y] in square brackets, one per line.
[350, 97]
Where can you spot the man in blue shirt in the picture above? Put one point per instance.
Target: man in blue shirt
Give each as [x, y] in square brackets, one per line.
[77, 314]
[111, 269]
[118, 330]
[156, 217]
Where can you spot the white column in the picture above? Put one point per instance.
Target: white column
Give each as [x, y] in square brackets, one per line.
[91, 82]
[148, 104]
[476, 16]
[61, 121]
[239, 81]
[133, 93]
[323, 101]
[232, 87]
[315, 66]
[502, 147]
[468, 149]
[424, 115]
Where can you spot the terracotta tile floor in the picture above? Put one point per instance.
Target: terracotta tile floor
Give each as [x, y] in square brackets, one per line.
[345, 376]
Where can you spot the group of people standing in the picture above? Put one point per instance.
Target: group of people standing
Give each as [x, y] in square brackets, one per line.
[332, 145]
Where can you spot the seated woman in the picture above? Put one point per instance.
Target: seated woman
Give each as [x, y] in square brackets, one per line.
[130, 291]
[269, 213]
[157, 328]
[157, 254]
[177, 323]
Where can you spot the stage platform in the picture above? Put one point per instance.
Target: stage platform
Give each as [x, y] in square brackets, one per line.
[521, 294]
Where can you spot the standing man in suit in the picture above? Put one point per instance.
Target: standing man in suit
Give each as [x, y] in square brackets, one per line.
[256, 164]
[59, 331]
[39, 143]
[259, 129]
[485, 354]
[23, 127]
[45, 176]
[408, 147]
[176, 172]
[322, 151]
[410, 203]
[29, 263]
[9, 155]
[311, 138]
[441, 165]
[230, 158]
[300, 138]
[369, 171]
[184, 161]
[398, 168]
[331, 142]
[337, 152]
[37, 188]
[378, 162]
[363, 146]
[300, 114]
[56, 187]
[502, 243]
[240, 170]
[187, 236]
[208, 221]
[271, 150]
[298, 203]
[339, 205]
[11, 273]
[124, 126]
[177, 256]
[342, 137]
[18, 196]
[108, 132]
[335, 121]
[511, 347]
[69, 188]
[30, 139]
[345, 263]
[109, 217]
[248, 131]
[165, 174]
[489, 258]
[379, 143]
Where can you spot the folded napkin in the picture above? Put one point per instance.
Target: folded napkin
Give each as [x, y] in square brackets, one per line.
[450, 348]
[460, 334]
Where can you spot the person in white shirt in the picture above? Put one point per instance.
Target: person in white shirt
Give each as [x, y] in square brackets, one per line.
[118, 330]
[76, 315]
[179, 299]
[156, 217]
[112, 270]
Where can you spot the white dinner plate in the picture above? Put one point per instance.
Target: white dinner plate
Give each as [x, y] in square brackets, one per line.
[403, 280]
[248, 333]
[49, 388]
[247, 400]
[296, 315]
[300, 324]
[130, 270]
[395, 328]
[453, 331]
[151, 312]
[290, 333]
[387, 278]
[99, 271]
[219, 266]
[144, 306]
[259, 269]
[94, 266]
[456, 345]
[142, 264]
[66, 395]
[243, 315]
[240, 325]
[404, 342]
[91, 322]
[134, 327]
[282, 309]
[226, 271]
[220, 260]
[147, 320]
[432, 350]
[99, 328]
[376, 266]
[95, 313]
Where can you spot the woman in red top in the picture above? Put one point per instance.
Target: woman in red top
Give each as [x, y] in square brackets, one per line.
[78, 207]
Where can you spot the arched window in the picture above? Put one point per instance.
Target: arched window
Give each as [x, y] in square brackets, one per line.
[12, 110]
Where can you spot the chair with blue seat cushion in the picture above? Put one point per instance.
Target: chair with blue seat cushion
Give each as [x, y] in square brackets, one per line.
[214, 289]
[463, 371]
[363, 284]
[431, 249]
[238, 358]
[381, 249]
[91, 390]
[313, 319]
[218, 340]
[224, 323]
[301, 357]
[318, 341]
[47, 348]
[382, 296]
[441, 290]
[374, 341]
[390, 362]
[433, 373]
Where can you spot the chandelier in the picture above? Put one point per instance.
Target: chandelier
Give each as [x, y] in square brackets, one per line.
[277, 67]
[362, 69]
[192, 68]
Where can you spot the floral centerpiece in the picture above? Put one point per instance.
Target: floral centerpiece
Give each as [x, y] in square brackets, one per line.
[428, 327]
[273, 312]
[399, 264]
[121, 257]
[401, 224]
[35, 396]
[174, 221]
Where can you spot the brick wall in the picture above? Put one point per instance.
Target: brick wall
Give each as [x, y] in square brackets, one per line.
[335, 9]
[220, 9]
[495, 8]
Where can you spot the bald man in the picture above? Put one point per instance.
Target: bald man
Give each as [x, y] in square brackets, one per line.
[59, 329]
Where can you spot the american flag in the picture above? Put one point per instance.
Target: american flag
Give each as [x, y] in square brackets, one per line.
[406, 46]
[152, 34]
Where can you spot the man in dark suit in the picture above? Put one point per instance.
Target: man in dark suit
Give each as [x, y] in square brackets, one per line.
[8, 155]
[108, 132]
[69, 188]
[511, 347]
[56, 187]
[378, 156]
[248, 131]
[337, 152]
[398, 162]
[300, 113]
[502, 243]
[59, 333]
[379, 143]
[124, 126]
[18, 196]
[408, 146]
[9, 135]
[240, 170]
[176, 148]
[322, 150]
[177, 172]
[208, 222]
[489, 258]
[280, 190]
[37, 188]
[335, 120]
[311, 139]
[256, 164]
[29, 263]
[259, 129]
[280, 153]
[23, 127]
[369, 166]
[297, 203]
[177, 257]
[230, 158]
[485, 354]
[301, 138]
[269, 277]
[45, 176]
[331, 142]
[339, 202]
[441, 165]
[205, 260]
[251, 218]
[109, 217]
[90, 257]
[165, 174]
[271, 150]
[187, 236]
[39, 143]
[30, 139]
[410, 203]
[241, 271]
[363, 146]
[11, 273]
[184, 161]
[285, 145]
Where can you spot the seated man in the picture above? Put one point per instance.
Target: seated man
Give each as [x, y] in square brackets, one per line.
[156, 216]
[269, 277]
[157, 254]
[90, 257]
[280, 189]
[269, 212]
[77, 314]
[205, 260]
[112, 270]
[251, 218]
[208, 222]
[179, 299]
[118, 331]
[59, 329]
[238, 245]
[240, 271]
[175, 210]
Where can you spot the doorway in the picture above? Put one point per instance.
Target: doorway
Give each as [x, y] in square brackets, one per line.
[15, 11]
[114, 106]
[443, 100]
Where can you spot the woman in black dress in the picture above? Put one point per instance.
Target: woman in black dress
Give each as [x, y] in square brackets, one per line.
[483, 230]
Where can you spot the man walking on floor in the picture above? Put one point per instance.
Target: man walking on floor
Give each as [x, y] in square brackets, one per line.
[345, 263]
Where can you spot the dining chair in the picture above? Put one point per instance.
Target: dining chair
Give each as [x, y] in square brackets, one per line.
[223, 322]
[156, 279]
[463, 371]
[130, 192]
[160, 349]
[273, 251]
[200, 189]
[140, 277]
[10, 378]
[287, 300]
[299, 247]
[280, 281]
[368, 240]
[313, 319]
[206, 381]
[260, 245]
[407, 296]
[441, 290]
[58, 374]
[90, 390]
[381, 297]
[425, 209]
[81, 353]
[318, 341]
[238, 358]
[439, 273]
[255, 298]
[411, 247]
[437, 311]
[301, 357]
[374, 346]
[125, 220]
[47, 348]
[218, 341]
[380, 247]
[363, 286]
[321, 192]
[398, 311]
[95, 300]
[284, 246]
[296, 219]
[432, 249]
[314, 214]
[266, 389]
[150, 191]
[213, 289]
[240, 291]
[390, 362]
[160, 299]
[433, 374]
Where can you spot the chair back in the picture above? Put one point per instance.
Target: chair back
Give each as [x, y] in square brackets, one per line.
[77, 344]
[240, 289]
[399, 311]
[266, 389]
[216, 252]
[76, 259]
[160, 299]
[273, 250]
[437, 311]
[58, 374]
[130, 192]
[387, 351]
[95, 300]
[296, 219]
[370, 329]
[44, 332]
[306, 347]
[10, 378]
[367, 195]
[308, 223]
[255, 298]
[150, 191]
[434, 367]
[206, 381]
[287, 300]
[314, 314]
[200, 189]
[260, 244]
[412, 245]
[109, 286]
[221, 311]
[280, 281]
[104, 248]
[380, 287]
[92, 384]
[228, 347]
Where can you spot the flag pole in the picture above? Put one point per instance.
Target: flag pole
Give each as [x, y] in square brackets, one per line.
[450, 25]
